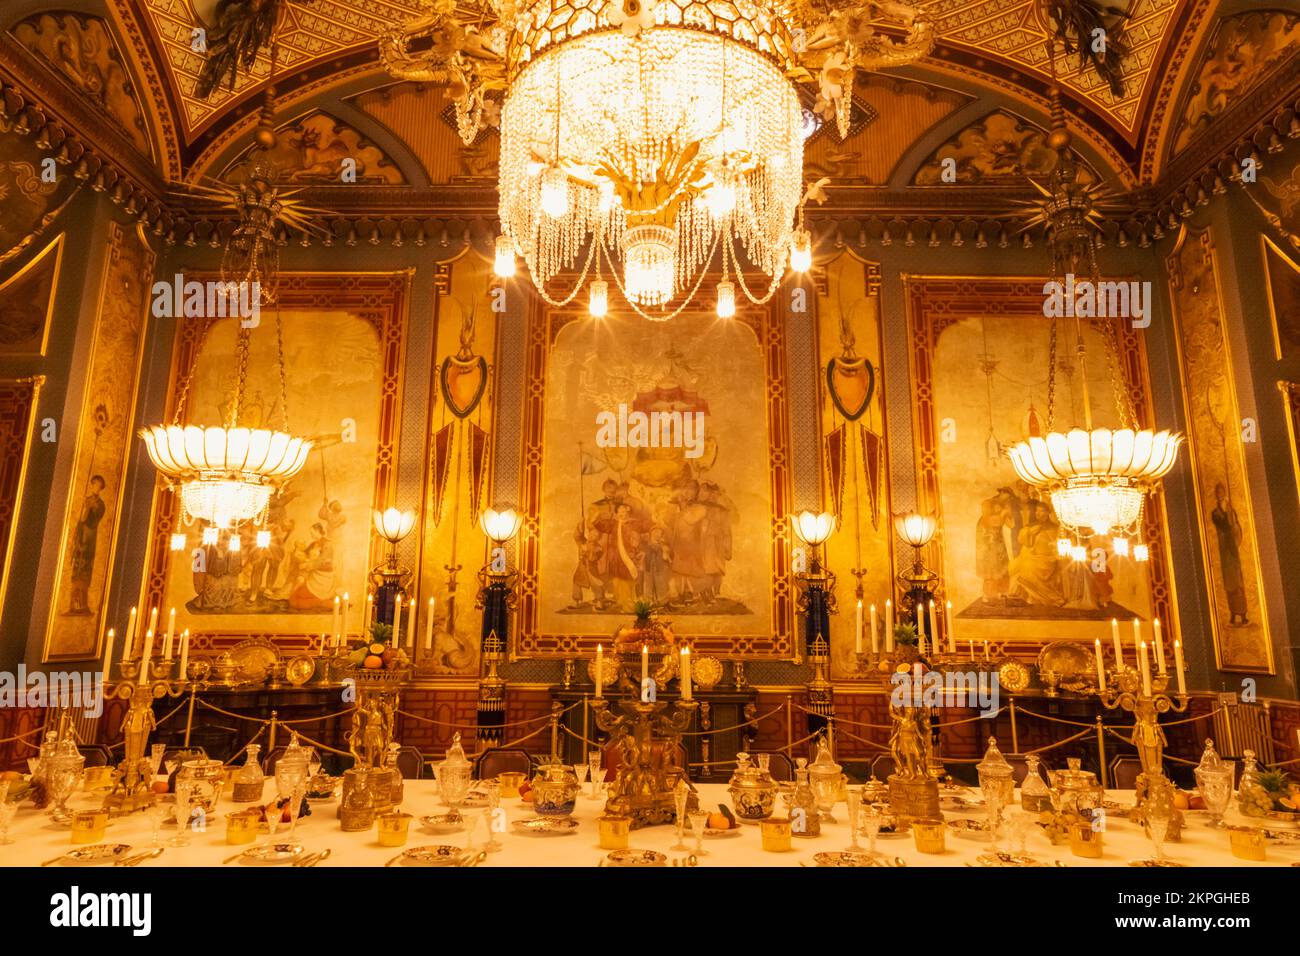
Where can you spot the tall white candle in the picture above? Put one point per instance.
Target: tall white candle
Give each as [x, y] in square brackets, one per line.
[1178, 665]
[889, 624]
[171, 633]
[600, 672]
[335, 625]
[952, 633]
[971, 642]
[986, 651]
[397, 621]
[920, 623]
[323, 639]
[875, 632]
[185, 652]
[370, 614]
[1137, 633]
[857, 628]
[153, 622]
[148, 648]
[1160, 647]
[428, 628]
[934, 631]
[686, 673]
[129, 643]
[1146, 668]
[345, 617]
[1119, 648]
[1101, 667]
[645, 662]
[108, 653]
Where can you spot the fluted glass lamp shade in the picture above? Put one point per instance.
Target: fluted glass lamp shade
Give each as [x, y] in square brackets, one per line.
[811, 528]
[915, 529]
[225, 476]
[1097, 479]
[394, 525]
[501, 525]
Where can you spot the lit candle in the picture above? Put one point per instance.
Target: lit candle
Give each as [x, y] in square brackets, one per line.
[1160, 647]
[185, 652]
[370, 613]
[153, 622]
[128, 644]
[947, 622]
[323, 639]
[1178, 665]
[1137, 633]
[971, 642]
[171, 632]
[889, 624]
[600, 672]
[920, 624]
[686, 673]
[986, 651]
[645, 663]
[397, 621]
[934, 631]
[428, 628]
[857, 628]
[1119, 648]
[345, 616]
[1101, 668]
[1146, 668]
[336, 628]
[875, 632]
[146, 654]
[108, 654]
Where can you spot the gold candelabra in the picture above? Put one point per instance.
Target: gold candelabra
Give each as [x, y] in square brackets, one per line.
[1146, 700]
[647, 734]
[141, 683]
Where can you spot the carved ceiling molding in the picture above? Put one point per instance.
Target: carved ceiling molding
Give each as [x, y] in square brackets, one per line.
[133, 36]
[1163, 116]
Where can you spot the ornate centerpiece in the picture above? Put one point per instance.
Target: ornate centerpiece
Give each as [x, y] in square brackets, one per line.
[656, 637]
[913, 790]
[647, 735]
[379, 673]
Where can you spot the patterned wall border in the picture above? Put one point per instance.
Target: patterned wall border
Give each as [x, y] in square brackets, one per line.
[19, 399]
[381, 298]
[935, 302]
[543, 327]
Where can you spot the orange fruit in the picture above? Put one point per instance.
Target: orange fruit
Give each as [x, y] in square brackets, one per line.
[373, 662]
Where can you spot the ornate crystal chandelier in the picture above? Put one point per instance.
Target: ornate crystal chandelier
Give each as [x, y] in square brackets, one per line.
[651, 139]
[1097, 478]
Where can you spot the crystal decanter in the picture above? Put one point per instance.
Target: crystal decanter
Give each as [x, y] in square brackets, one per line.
[1035, 796]
[250, 779]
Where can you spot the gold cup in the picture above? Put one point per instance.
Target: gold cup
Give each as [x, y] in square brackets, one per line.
[1248, 844]
[510, 781]
[776, 834]
[241, 826]
[614, 831]
[929, 835]
[88, 826]
[97, 778]
[393, 828]
[1085, 840]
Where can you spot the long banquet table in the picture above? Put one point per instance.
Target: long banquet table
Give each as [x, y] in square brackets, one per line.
[36, 840]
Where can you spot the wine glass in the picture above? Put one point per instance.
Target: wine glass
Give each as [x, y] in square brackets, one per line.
[157, 812]
[492, 814]
[698, 819]
[593, 761]
[1018, 825]
[471, 823]
[854, 803]
[313, 763]
[61, 781]
[681, 793]
[580, 771]
[7, 812]
[295, 806]
[184, 790]
[1216, 791]
[872, 819]
[1159, 813]
[156, 752]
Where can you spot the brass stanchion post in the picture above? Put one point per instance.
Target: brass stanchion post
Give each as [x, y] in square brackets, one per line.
[270, 740]
[189, 716]
[1015, 737]
[556, 707]
[1101, 754]
[789, 725]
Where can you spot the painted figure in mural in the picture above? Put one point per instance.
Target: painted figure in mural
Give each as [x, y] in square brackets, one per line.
[85, 537]
[1227, 528]
[315, 590]
[992, 563]
[621, 562]
[586, 575]
[1036, 570]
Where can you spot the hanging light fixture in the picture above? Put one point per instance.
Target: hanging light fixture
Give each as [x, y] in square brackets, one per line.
[225, 474]
[1097, 478]
[662, 138]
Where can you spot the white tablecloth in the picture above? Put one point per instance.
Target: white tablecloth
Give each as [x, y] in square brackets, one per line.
[37, 840]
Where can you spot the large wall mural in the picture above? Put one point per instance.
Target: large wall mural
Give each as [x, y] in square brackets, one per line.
[697, 526]
[320, 149]
[1241, 51]
[83, 51]
[28, 204]
[103, 445]
[1225, 517]
[343, 353]
[998, 149]
[855, 473]
[979, 372]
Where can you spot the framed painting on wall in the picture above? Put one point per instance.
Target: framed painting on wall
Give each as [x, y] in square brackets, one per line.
[1225, 516]
[27, 304]
[979, 368]
[1282, 283]
[88, 542]
[698, 527]
[18, 403]
[344, 349]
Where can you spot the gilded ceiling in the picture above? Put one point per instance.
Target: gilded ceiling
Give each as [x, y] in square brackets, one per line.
[1185, 66]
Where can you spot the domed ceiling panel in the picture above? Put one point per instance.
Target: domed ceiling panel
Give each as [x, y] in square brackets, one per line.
[1242, 50]
[417, 114]
[83, 51]
[998, 150]
[903, 112]
[320, 149]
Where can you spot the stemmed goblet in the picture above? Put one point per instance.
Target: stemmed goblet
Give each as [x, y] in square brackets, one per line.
[872, 819]
[1159, 812]
[7, 812]
[157, 812]
[854, 803]
[61, 781]
[492, 814]
[593, 761]
[698, 820]
[184, 790]
[681, 793]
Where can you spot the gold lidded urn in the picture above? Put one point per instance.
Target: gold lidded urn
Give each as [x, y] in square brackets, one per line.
[555, 790]
[752, 790]
[1077, 791]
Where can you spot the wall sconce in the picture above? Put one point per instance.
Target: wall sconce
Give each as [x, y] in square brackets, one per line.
[390, 578]
[918, 581]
